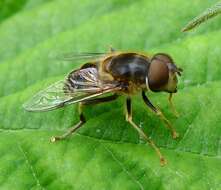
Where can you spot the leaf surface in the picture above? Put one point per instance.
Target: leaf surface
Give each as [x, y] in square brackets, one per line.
[107, 153]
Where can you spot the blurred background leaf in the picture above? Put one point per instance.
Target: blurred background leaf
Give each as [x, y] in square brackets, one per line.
[10, 7]
[107, 153]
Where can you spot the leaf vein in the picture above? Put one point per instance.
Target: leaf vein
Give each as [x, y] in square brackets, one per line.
[123, 167]
[30, 166]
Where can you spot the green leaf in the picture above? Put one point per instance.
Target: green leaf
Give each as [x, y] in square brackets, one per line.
[107, 153]
[9, 8]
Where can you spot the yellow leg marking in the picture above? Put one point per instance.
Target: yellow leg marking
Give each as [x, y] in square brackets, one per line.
[172, 106]
[68, 133]
[152, 144]
[168, 124]
[72, 129]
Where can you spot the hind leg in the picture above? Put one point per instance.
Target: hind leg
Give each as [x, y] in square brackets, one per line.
[82, 117]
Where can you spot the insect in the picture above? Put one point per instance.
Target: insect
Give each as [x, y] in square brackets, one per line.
[106, 77]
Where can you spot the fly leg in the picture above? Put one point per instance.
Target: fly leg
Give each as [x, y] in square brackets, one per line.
[141, 133]
[72, 129]
[172, 106]
[82, 117]
[160, 115]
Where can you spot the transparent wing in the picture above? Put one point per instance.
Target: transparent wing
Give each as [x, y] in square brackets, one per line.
[49, 98]
[81, 56]
[80, 85]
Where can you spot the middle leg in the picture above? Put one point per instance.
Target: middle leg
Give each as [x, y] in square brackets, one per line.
[141, 133]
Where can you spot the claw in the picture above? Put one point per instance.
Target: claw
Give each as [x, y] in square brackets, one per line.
[175, 135]
[163, 161]
[53, 139]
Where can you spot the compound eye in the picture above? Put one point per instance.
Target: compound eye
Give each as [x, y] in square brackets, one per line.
[158, 74]
[169, 61]
[163, 57]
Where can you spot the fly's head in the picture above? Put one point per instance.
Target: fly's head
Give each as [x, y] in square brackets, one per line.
[162, 74]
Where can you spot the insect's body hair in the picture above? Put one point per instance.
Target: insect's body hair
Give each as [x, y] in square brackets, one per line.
[131, 69]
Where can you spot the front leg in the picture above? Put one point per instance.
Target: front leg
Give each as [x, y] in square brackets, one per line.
[160, 115]
[172, 106]
[140, 131]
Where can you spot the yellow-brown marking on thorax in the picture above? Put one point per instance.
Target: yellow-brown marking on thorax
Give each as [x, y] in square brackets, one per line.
[106, 69]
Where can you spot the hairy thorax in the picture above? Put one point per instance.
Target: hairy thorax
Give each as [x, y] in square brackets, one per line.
[129, 68]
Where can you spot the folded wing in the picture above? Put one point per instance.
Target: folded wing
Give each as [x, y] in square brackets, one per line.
[79, 86]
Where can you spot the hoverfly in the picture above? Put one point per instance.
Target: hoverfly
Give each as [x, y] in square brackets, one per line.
[106, 77]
